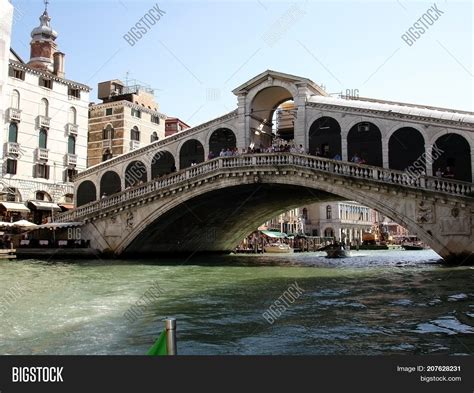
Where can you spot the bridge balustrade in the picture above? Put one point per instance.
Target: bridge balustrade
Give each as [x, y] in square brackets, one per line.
[348, 169]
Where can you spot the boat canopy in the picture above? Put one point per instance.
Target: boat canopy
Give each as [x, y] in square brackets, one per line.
[273, 234]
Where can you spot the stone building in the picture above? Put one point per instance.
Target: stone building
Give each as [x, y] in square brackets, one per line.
[128, 118]
[44, 128]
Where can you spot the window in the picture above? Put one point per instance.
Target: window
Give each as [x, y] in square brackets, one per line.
[136, 113]
[69, 175]
[11, 166]
[71, 145]
[135, 134]
[109, 112]
[69, 198]
[46, 83]
[328, 212]
[43, 139]
[44, 107]
[15, 99]
[73, 93]
[155, 119]
[72, 115]
[42, 172]
[108, 132]
[13, 133]
[17, 74]
[154, 137]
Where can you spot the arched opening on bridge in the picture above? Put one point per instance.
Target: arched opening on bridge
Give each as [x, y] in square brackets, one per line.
[364, 144]
[221, 139]
[110, 184]
[453, 157]
[405, 147]
[135, 174]
[191, 153]
[284, 122]
[163, 163]
[86, 193]
[325, 138]
[261, 116]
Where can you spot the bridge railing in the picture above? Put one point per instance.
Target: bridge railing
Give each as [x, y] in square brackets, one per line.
[343, 168]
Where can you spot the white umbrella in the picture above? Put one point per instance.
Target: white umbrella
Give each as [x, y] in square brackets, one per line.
[24, 224]
[6, 224]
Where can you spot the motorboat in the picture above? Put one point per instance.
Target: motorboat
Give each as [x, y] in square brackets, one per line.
[278, 248]
[337, 251]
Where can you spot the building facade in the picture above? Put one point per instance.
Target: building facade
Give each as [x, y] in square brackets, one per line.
[128, 118]
[175, 125]
[44, 127]
[6, 19]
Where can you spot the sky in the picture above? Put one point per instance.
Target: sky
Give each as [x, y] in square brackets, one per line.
[199, 51]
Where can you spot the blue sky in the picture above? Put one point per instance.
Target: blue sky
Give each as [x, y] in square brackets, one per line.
[200, 50]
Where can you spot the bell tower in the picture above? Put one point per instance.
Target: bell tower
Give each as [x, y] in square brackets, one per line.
[43, 45]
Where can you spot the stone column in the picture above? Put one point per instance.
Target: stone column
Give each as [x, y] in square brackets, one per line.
[429, 163]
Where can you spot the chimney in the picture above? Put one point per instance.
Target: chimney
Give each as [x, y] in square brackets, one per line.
[59, 64]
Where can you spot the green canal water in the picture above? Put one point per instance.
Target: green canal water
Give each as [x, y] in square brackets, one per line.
[378, 302]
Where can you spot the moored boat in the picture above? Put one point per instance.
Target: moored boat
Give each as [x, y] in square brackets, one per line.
[278, 248]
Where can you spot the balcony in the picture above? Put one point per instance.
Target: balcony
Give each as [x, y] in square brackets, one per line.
[70, 160]
[72, 129]
[14, 115]
[42, 154]
[12, 148]
[43, 121]
[134, 145]
[107, 143]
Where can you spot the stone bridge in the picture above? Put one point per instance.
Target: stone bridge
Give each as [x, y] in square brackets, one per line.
[213, 205]
[166, 197]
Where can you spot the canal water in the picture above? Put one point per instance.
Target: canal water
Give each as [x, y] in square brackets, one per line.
[378, 302]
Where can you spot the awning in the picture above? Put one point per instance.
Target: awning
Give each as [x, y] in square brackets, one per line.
[44, 206]
[66, 206]
[274, 234]
[56, 225]
[14, 207]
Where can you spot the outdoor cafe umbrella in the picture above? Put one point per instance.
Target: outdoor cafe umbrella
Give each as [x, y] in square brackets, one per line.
[24, 224]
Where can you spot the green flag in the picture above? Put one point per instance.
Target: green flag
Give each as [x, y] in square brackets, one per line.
[159, 348]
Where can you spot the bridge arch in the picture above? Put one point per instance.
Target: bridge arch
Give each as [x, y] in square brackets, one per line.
[325, 137]
[163, 163]
[135, 173]
[110, 183]
[455, 153]
[264, 198]
[222, 138]
[86, 193]
[406, 147]
[191, 152]
[364, 139]
[261, 105]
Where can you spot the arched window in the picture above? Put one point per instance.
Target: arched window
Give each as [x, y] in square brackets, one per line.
[328, 212]
[44, 107]
[72, 115]
[135, 134]
[154, 137]
[43, 138]
[71, 145]
[108, 132]
[13, 133]
[305, 213]
[15, 99]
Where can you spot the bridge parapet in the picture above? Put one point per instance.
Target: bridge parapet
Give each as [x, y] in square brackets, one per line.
[250, 163]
